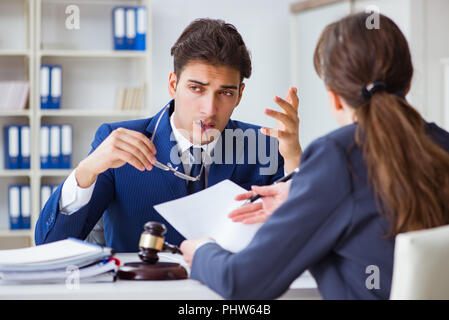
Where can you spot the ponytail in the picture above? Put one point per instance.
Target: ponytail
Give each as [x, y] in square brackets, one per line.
[409, 172]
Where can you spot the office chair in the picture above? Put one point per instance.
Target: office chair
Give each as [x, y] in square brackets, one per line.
[421, 265]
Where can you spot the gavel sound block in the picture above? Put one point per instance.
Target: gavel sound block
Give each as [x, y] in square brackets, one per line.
[151, 242]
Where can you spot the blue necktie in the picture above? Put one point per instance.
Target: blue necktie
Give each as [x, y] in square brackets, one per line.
[195, 186]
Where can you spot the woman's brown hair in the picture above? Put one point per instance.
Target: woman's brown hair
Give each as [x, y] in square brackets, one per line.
[409, 172]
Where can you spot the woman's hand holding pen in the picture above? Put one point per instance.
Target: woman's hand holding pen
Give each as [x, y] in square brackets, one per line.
[272, 197]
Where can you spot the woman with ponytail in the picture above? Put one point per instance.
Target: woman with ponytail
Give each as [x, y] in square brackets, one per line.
[384, 172]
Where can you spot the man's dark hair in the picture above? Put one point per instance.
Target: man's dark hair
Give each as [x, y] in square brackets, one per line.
[214, 42]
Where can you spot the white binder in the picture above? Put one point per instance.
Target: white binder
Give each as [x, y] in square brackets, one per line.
[45, 195]
[56, 87]
[14, 207]
[44, 86]
[44, 143]
[12, 159]
[66, 146]
[25, 149]
[25, 205]
[55, 146]
[130, 28]
[119, 28]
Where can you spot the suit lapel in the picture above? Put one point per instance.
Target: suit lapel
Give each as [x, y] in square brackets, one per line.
[167, 152]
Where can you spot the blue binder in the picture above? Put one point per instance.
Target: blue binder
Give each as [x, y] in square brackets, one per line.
[14, 206]
[130, 29]
[12, 147]
[25, 207]
[25, 150]
[44, 79]
[44, 145]
[55, 146]
[118, 18]
[55, 87]
[141, 28]
[66, 147]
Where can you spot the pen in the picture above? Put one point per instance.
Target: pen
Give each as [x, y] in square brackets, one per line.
[283, 179]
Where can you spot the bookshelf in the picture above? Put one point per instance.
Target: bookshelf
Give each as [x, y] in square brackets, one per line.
[91, 74]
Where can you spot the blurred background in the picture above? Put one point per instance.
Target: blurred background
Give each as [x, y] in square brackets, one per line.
[68, 66]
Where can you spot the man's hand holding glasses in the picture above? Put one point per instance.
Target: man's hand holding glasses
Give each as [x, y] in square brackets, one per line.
[120, 147]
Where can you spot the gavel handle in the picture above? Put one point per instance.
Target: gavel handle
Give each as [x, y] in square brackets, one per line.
[171, 248]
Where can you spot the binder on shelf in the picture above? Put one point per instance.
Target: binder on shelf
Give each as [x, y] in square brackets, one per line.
[12, 147]
[118, 19]
[55, 146]
[44, 137]
[130, 28]
[25, 207]
[45, 195]
[55, 87]
[25, 140]
[141, 29]
[45, 86]
[14, 207]
[66, 146]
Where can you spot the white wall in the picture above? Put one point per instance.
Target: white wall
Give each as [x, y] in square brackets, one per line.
[264, 26]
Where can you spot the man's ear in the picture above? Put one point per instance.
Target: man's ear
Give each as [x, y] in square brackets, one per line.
[172, 81]
[242, 87]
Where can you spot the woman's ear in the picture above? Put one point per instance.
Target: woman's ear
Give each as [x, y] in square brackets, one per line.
[334, 100]
[172, 81]
[342, 112]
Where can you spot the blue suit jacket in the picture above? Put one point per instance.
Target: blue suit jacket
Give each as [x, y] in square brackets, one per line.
[126, 195]
[329, 224]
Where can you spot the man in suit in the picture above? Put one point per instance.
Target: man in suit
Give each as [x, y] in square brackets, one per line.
[193, 132]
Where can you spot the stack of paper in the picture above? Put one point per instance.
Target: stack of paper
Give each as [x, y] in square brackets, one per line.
[205, 214]
[13, 94]
[58, 261]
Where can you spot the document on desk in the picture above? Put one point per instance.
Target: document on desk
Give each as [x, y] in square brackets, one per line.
[205, 214]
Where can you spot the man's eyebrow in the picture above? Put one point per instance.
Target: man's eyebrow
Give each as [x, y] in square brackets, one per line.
[198, 82]
[206, 84]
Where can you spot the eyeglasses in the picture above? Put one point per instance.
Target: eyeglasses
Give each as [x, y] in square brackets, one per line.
[169, 166]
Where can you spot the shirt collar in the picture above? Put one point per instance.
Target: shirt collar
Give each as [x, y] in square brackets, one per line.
[184, 144]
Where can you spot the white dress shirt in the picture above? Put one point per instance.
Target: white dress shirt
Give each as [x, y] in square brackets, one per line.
[73, 197]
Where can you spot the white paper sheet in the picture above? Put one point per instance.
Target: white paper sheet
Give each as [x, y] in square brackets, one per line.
[205, 214]
[51, 252]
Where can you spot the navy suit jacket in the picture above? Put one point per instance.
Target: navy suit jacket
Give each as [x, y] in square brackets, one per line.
[329, 225]
[126, 195]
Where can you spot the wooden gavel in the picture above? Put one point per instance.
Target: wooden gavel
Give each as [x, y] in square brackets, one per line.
[152, 241]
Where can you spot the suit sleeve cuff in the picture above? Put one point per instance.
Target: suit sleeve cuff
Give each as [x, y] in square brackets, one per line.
[202, 244]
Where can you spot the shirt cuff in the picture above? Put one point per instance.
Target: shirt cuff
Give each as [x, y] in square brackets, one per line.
[73, 197]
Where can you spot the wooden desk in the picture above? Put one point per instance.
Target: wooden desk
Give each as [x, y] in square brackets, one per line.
[303, 288]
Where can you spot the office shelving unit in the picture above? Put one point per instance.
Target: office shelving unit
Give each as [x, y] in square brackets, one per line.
[92, 72]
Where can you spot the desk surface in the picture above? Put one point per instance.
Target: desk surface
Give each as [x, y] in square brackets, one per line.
[303, 288]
